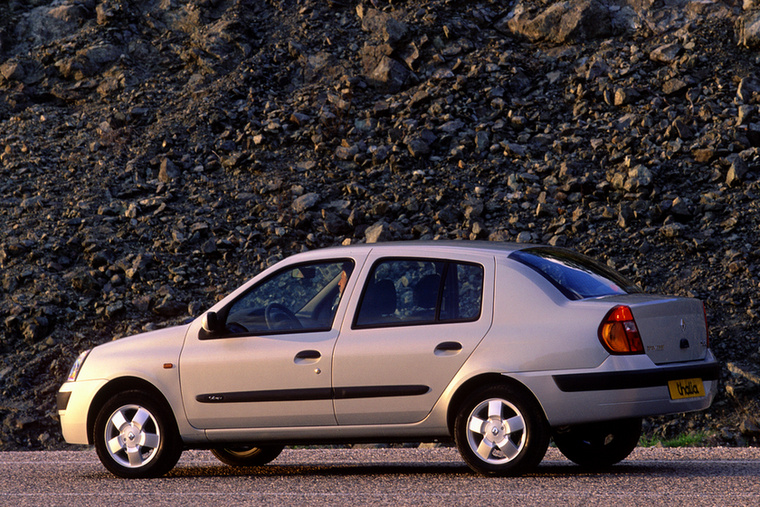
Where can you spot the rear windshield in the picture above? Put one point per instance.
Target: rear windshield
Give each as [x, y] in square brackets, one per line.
[575, 275]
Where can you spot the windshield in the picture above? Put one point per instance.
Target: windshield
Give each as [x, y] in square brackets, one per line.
[575, 275]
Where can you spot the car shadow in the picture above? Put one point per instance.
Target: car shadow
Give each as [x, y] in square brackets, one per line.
[380, 469]
[547, 469]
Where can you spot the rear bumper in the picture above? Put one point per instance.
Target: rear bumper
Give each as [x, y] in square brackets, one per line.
[653, 377]
[622, 387]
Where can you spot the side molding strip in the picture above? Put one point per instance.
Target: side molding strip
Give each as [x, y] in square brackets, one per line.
[339, 393]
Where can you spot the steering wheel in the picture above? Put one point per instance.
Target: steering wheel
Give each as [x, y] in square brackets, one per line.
[278, 316]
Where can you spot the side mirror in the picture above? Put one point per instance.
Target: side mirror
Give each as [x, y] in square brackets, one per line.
[210, 323]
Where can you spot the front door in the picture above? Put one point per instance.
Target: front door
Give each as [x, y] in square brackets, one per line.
[271, 365]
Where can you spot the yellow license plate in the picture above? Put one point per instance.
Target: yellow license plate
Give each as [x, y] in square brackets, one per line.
[687, 388]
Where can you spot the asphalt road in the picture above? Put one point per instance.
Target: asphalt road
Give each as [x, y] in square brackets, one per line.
[682, 477]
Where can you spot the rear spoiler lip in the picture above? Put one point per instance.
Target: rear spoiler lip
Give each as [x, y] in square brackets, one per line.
[651, 377]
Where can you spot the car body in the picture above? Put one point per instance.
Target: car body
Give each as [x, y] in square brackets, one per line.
[497, 346]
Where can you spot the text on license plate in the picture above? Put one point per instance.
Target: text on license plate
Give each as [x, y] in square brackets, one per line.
[686, 388]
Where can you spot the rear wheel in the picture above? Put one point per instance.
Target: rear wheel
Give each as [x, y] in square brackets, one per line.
[501, 431]
[247, 455]
[136, 436]
[599, 444]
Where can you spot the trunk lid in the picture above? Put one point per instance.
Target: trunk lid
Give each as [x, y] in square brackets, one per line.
[672, 329]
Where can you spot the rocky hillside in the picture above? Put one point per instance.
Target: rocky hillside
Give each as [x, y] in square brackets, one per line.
[157, 153]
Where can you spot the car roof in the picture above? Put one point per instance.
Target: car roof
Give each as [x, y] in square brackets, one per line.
[429, 246]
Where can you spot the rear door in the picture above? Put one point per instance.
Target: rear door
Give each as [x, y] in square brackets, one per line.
[414, 325]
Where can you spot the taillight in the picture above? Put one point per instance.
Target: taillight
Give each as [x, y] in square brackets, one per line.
[619, 334]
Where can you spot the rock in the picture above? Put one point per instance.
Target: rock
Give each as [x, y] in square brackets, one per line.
[377, 233]
[35, 329]
[83, 281]
[749, 30]
[168, 171]
[389, 75]
[107, 11]
[116, 310]
[383, 26]
[524, 237]
[473, 209]
[749, 428]
[209, 247]
[346, 152]
[681, 209]
[682, 129]
[9, 251]
[639, 177]
[746, 113]
[675, 86]
[703, 155]
[482, 141]
[12, 71]
[100, 55]
[447, 216]
[749, 90]
[169, 308]
[667, 53]
[300, 119]
[672, 230]
[561, 22]
[736, 171]
[45, 24]
[334, 224]
[418, 147]
[594, 70]
[305, 202]
[625, 96]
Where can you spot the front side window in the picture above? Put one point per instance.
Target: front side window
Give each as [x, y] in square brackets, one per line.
[300, 298]
[412, 291]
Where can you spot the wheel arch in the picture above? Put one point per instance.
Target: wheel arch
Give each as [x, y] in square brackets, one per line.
[122, 384]
[485, 379]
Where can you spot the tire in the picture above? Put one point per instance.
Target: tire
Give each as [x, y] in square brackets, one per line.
[599, 445]
[247, 455]
[501, 431]
[136, 437]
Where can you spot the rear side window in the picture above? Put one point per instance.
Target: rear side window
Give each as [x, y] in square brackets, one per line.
[410, 291]
[575, 275]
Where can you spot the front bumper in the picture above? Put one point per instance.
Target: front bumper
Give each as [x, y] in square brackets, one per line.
[74, 401]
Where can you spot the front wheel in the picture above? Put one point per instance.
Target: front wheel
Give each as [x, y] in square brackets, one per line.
[136, 436]
[247, 455]
[501, 431]
[599, 444]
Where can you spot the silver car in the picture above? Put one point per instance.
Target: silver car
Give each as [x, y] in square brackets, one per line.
[498, 347]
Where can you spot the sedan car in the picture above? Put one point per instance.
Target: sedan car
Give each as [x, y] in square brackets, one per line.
[498, 347]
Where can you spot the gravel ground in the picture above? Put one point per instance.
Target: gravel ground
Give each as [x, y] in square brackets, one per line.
[700, 477]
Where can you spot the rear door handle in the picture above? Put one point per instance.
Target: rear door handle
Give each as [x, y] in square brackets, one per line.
[307, 357]
[448, 348]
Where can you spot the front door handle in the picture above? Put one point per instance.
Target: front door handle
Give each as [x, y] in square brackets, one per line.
[448, 348]
[307, 357]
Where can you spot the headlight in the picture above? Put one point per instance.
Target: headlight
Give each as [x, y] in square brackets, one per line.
[74, 372]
